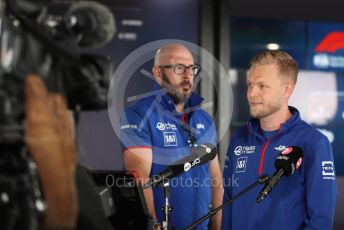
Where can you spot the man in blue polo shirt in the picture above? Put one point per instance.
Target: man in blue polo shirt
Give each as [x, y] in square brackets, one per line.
[162, 128]
[304, 200]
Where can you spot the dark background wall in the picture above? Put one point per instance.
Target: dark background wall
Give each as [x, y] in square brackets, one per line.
[324, 10]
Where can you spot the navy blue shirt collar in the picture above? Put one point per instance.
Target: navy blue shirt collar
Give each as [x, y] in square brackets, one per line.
[254, 124]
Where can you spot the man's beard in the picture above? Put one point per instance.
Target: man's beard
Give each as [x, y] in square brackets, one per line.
[177, 96]
[272, 108]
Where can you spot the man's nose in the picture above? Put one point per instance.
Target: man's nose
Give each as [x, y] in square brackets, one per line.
[187, 75]
[252, 91]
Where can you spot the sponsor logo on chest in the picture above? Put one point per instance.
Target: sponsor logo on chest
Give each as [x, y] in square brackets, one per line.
[280, 148]
[200, 126]
[244, 150]
[166, 126]
[241, 164]
[170, 139]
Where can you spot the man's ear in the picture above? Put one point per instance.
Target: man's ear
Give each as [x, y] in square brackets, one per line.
[157, 74]
[289, 88]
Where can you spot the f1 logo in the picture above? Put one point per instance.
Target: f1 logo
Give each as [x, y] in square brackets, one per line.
[331, 43]
[241, 164]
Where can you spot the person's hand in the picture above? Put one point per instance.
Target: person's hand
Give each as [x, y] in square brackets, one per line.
[51, 143]
[156, 224]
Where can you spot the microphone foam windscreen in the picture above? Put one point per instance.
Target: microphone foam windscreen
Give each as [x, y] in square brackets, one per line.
[102, 23]
[289, 159]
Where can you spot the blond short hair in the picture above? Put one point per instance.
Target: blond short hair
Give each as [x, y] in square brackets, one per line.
[286, 64]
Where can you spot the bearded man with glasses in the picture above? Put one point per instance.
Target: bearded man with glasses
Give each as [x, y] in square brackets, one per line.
[164, 127]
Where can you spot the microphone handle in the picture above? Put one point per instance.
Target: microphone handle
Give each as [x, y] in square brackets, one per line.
[196, 158]
[270, 185]
[273, 181]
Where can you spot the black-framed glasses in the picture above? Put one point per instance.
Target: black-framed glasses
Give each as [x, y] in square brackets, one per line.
[180, 69]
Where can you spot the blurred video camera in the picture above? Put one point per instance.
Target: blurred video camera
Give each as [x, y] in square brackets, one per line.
[34, 42]
[58, 49]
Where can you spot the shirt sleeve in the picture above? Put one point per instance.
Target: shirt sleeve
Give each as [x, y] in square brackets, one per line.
[134, 130]
[321, 187]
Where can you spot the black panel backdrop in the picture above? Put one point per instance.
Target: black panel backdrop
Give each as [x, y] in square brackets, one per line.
[137, 23]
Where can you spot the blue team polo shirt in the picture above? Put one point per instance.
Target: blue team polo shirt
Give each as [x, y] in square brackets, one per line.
[304, 200]
[154, 123]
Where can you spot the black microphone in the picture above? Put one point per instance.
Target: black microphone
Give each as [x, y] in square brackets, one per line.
[92, 23]
[200, 155]
[286, 163]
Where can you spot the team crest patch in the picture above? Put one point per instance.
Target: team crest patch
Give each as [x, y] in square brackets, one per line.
[170, 139]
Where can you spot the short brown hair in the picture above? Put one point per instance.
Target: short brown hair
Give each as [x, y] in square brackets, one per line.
[286, 64]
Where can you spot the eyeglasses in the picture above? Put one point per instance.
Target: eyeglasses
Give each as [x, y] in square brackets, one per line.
[180, 69]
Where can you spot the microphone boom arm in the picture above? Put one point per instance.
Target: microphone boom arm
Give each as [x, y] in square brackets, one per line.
[260, 180]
